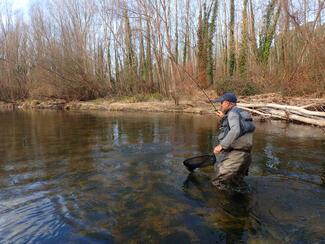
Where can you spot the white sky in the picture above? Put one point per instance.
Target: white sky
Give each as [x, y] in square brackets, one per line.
[19, 4]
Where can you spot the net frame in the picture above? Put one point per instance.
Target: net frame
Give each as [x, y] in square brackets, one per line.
[199, 161]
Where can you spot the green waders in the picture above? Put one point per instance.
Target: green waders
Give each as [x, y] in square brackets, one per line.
[232, 168]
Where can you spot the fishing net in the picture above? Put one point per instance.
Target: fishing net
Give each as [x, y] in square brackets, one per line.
[199, 162]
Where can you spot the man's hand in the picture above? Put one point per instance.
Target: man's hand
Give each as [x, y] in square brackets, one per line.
[217, 149]
[220, 114]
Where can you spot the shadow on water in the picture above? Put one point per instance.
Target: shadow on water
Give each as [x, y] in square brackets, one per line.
[118, 177]
[323, 175]
[229, 210]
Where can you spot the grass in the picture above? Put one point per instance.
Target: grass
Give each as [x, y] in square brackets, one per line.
[133, 99]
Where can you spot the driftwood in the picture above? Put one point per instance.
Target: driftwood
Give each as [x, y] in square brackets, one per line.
[285, 112]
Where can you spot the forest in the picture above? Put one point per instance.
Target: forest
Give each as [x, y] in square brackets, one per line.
[88, 49]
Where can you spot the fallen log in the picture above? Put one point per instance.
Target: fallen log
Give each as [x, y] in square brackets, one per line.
[285, 112]
[264, 114]
[299, 118]
[320, 106]
[293, 109]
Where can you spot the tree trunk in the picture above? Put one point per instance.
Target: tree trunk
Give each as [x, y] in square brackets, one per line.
[232, 57]
[244, 45]
[186, 37]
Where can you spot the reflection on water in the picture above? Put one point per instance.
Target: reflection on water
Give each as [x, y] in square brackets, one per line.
[113, 177]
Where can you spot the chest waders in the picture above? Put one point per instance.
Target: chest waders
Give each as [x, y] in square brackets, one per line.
[246, 126]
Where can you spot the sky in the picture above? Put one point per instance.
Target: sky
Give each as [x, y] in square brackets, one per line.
[19, 4]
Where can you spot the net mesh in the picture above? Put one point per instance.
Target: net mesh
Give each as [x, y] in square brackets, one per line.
[199, 162]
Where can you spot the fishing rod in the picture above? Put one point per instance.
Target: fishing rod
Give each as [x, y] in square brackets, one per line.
[197, 84]
[192, 79]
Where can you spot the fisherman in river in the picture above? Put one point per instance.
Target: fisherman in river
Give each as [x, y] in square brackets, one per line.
[235, 141]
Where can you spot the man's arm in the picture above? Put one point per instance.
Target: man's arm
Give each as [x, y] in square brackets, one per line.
[234, 124]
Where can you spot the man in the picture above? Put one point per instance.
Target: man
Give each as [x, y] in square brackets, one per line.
[235, 143]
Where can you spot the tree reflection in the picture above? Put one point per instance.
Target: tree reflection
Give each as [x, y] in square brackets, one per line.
[323, 175]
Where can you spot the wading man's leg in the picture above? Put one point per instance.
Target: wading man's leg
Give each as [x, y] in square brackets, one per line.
[232, 169]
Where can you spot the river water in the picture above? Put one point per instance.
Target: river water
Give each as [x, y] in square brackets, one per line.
[71, 177]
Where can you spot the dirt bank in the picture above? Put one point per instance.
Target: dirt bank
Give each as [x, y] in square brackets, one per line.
[193, 104]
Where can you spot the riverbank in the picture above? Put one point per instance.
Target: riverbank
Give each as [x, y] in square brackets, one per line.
[193, 104]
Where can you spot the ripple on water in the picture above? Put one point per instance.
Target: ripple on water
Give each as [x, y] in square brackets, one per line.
[83, 178]
[29, 220]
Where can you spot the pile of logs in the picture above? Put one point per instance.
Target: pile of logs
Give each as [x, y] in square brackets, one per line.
[301, 114]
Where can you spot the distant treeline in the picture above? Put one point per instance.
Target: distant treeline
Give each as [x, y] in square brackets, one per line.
[85, 49]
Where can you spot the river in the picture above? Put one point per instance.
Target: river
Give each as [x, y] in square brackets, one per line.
[98, 177]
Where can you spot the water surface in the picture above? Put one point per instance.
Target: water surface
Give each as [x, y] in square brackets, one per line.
[70, 177]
